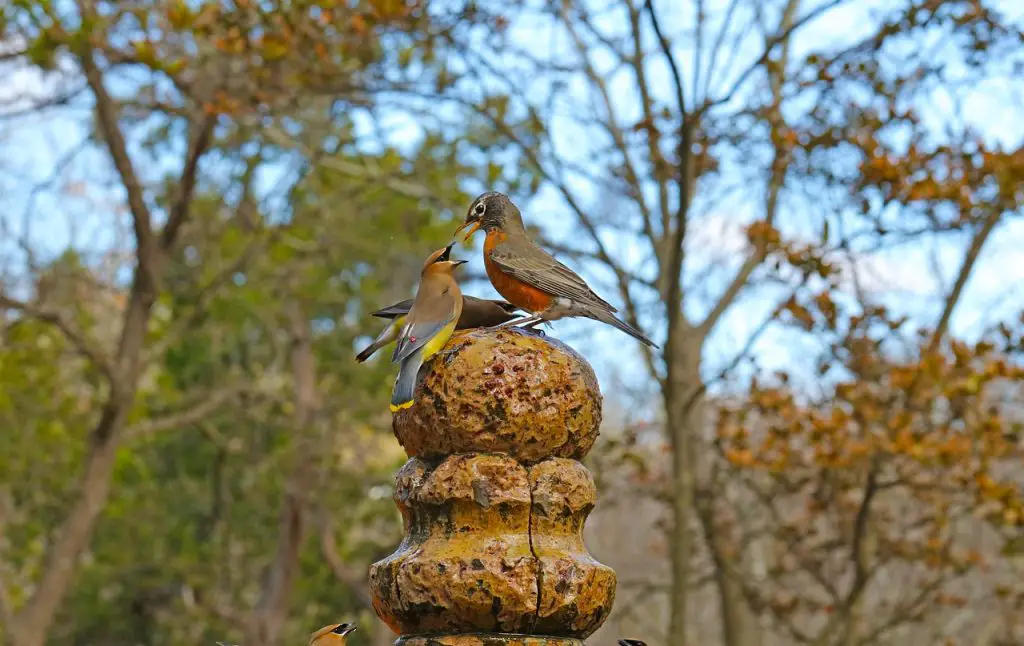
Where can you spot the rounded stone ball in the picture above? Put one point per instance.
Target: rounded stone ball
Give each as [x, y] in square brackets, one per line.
[510, 391]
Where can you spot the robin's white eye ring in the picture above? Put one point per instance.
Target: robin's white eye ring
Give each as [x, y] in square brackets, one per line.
[479, 210]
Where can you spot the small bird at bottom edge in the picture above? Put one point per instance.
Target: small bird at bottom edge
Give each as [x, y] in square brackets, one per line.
[631, 642]
[330, 635]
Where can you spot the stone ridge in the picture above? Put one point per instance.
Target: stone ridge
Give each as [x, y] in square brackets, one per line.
[494, 500]
[507, 391]
[493, 545]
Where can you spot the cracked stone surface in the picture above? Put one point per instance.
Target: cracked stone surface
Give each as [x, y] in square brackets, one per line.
[492, 545]
[493, 500]
[576, 592]
[466, 563]
[509, 391]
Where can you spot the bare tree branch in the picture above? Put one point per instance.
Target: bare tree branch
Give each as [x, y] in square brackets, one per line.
[775, 181]
[42, 105]
[202, 297]
[85, 346]
[666, 49]
[106, 111]
[639, 64]
[610, 123]
[860, 526]
[966, 267]
[187, 183]
[676, 257]
[6, 607]
[736, 285]
[355, 582]
[715, 50]
[188, 415]
[270, 612]
[780, 37]
[364, 171]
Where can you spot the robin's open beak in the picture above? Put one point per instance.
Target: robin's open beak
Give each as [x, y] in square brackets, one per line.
[472, 225]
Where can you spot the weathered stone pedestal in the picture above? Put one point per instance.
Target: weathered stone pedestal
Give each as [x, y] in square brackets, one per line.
[494, 499]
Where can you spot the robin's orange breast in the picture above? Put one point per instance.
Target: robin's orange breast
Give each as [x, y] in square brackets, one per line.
[515, 291]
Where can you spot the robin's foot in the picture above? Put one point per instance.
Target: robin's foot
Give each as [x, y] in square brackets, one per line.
[510, 323]
[524, 321]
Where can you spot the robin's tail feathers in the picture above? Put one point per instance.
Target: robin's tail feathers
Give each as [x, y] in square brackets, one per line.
[405, 385]
[609, 318]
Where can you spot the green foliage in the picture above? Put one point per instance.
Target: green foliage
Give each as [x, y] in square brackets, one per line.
[292, 210]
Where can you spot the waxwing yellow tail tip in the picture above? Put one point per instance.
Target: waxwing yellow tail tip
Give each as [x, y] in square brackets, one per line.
[396, 408]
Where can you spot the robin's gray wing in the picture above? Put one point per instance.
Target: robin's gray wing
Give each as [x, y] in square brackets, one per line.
[487, 303]
[505, 305]
[479, 312]
[536, 268]
[394, 311]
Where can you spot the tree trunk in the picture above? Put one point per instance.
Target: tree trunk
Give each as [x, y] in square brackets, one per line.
[31, 625]
[272, 609]
[738, 625]
[683, 406]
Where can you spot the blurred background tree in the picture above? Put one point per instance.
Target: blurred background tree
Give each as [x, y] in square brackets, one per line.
[813, 206]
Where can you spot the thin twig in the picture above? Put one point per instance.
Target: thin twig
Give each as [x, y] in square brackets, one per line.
[187, 183]
[85, 346]
[188, 415]
[107, 117]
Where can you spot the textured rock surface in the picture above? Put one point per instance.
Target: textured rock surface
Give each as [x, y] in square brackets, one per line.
[493, 508]
[507, 391]
[576, 592]
[475, 559]
[465, 564]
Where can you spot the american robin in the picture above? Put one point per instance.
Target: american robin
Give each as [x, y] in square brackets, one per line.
[528, 276]
[332, 635]
[428, 325]
[476, 312]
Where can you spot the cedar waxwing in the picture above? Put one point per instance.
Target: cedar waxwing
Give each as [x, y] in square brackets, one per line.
[631, 642]
[331, 635]
[476, 312]
[428, 325]
[528, 276]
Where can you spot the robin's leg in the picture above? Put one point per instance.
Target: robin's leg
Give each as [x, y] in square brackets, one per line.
[533, 326]
[523, 320]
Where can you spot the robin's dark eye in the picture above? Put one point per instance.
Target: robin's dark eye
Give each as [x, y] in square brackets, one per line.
[479, 210]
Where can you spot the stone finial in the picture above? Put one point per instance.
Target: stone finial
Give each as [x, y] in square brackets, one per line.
[494, 500]
[509, 391]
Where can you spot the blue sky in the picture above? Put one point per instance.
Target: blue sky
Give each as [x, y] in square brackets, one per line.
[86, 212]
